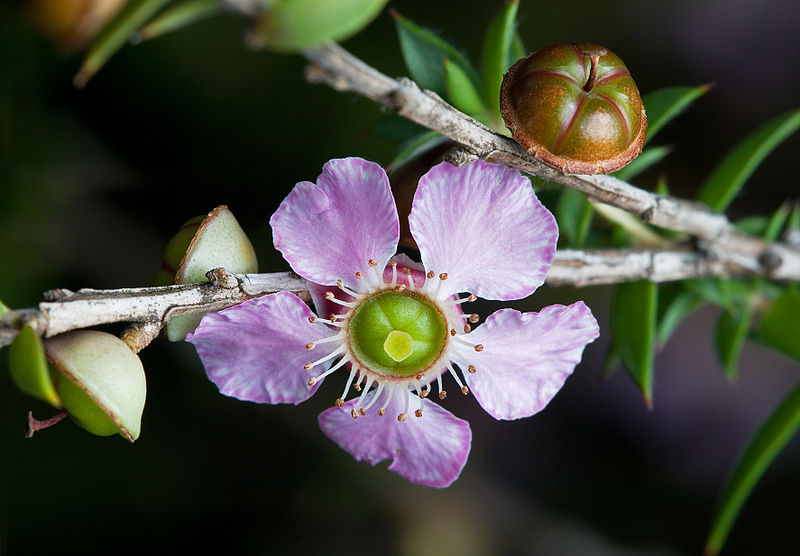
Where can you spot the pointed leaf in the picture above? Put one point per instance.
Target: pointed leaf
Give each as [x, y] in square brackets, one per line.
[674, 305]
[496, 48]
[414, 147]
[424, 53]
[633, 330]
[574, 214]
[289, 26]
[516, 51]
[114, 35]
[767, 443]
[729, 336]
[647, 158]
[776, 222]
[461, 92]
[731, 174]
[177, 17]
[662, 105]
[780, 325]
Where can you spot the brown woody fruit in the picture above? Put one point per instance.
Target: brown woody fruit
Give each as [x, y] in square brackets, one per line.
[575, 107]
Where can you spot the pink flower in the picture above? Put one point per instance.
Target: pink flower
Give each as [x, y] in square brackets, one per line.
[398, 327]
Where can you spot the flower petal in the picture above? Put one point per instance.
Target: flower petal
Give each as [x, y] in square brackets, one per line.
[430, 450]
[483, 225]
[255, 351]
[329, 230]
[526, 357]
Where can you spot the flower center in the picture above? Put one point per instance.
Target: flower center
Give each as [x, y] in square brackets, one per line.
[397, 333]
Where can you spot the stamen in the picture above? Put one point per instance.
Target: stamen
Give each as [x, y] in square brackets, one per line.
[407, 272]
[336, 367]
[474, 317]
[372, 262]
[310, 346]
[472, 369]
[464, 390]
[359, 275]
[471, 297]
[346, 386]
[455, 376]
[330, 297]
[418, 413]
[345, 289]
[430, 274]
[393, 263]
[443, 276]
[377, 274]
[462, 341]
[404, 415]
[374, 399]
[363, 395]
[388, 399]
[442, 393]
[478, 347]
[336, 352]
[354, 413]
[467, 329]
[452, 331]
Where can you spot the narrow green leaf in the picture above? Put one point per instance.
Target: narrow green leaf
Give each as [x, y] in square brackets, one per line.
[424, 53]
[674, 305]
[114, 35]
[461, 92]
[712, 290]
[574, 213]
[663, 105]
[496, 48]
[767, 443]
[294, 25]
[780, 325]
[516, 51]
[776, 222]
[3, 308]
[648, 157]
[28, 366]
[633, 331]
[414, 147]
[730, 175]
[177, 17]
[752, 225]
[729, 336]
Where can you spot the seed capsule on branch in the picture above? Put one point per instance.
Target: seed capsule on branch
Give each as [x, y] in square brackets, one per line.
[575, 107]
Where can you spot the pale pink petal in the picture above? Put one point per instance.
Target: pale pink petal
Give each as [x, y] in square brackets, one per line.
[483, 225]
[430, 450]
[330, 230]
[526, 357]
[255, 351]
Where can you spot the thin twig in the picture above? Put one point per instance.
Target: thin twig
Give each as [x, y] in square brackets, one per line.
[715, 235]
[150, 308]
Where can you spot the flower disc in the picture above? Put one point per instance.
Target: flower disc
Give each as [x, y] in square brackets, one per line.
[575, 107]
[397, 333]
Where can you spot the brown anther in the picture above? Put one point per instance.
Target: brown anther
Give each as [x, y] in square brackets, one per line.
[339, 402]
[359, 275]
[310, 345]
[474, 317]
[308, 366]
[382, 411]
[464, 390]
[430, 274]
[354, 413]
[401, 287]
[312, 381]
[357, 387]
[402, 417]
[472, 297]
[312, 319]
[419, 376]
[424, 393]
[406, 271]
[442, 394]
[478, 347]
[339, 283]
[452, 331]
[329, 295]
[418, 413]
[362, 411]
[372, 262]
[467, 329]
[472, 369]
[333, 318]
[443, 276]
[393, 262]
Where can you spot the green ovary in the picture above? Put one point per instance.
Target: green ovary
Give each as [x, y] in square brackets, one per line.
[397, 334]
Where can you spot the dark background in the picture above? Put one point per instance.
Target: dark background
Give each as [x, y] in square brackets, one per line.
[94, 182]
